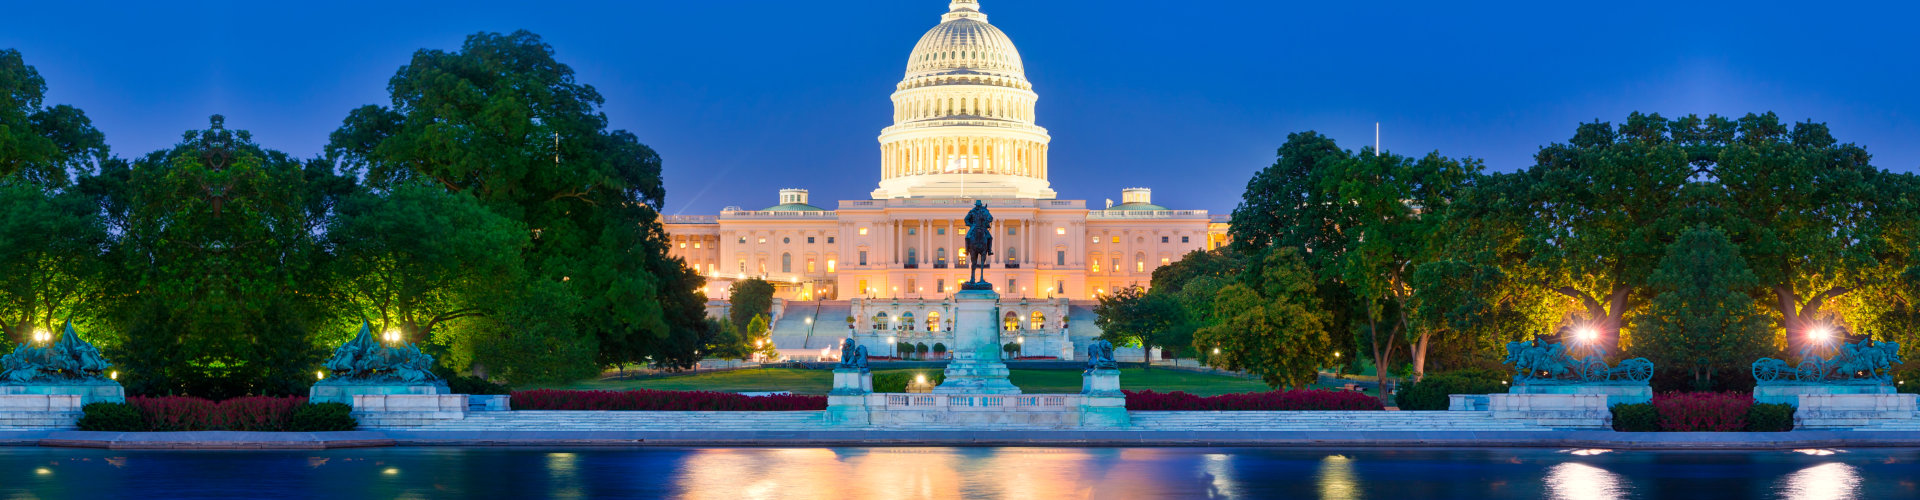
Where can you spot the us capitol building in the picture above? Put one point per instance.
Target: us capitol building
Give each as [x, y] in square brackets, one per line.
[964, 128]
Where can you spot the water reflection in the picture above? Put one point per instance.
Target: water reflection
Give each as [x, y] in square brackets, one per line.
[1578, 481]
[1828, 481]
[1336, 479]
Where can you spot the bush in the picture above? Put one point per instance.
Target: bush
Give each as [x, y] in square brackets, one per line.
[898, 381]
[1310, 400]
[476, 386]
[1703, 411]
[182, 413]
[1431, 393]
[651, 400]
[112, 417]
[1770, 417]
[323, 417]
[1638, 417]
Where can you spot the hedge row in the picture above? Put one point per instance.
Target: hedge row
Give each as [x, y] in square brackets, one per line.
[1703, 412]
[651, 400]
[180, 413]
[1310, 400]
[1431, 392]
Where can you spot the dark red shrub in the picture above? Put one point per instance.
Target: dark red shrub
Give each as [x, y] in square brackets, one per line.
[1703, 411]
[1309, 400]
[651, 400]
[182, 413]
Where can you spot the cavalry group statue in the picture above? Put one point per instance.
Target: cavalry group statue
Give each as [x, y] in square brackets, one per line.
[1866, 362]
[364, 360]
[979, 247]
[67, 361]
[1540, 362]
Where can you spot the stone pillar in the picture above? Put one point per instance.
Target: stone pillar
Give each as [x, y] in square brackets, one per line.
[976, 367]
[1103, 405]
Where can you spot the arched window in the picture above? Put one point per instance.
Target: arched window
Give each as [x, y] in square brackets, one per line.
[906, 321]
[786, 262]
[1039, 320]
[1011, 322]
[933, 321]
[1139, 262]
[1012, 256]
[880, 321]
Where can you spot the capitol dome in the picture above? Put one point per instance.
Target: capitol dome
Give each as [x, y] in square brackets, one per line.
[963, 121]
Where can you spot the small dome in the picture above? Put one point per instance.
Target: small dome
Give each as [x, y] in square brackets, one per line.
[794, 207]
[964, 44]
[1137, 206]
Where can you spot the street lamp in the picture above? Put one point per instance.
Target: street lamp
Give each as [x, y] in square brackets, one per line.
[891, 348]
[393, 337]
[42, 337]
[1818, 334]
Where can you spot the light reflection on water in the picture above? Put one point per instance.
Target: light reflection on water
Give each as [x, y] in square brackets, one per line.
[1049, 473]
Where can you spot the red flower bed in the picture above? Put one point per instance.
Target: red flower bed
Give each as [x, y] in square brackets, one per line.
[1312, 400]
[1703, 411]
[650, 400]
[183, 413]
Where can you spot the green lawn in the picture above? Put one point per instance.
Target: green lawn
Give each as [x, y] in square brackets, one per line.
[819, 381]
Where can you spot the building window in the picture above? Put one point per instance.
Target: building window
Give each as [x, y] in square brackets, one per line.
[1060, 231]
[863, 231]
[696, 245]
[1012, 285]
[743, 265]
[1116, 239]
[1116, 265]
[829, 240]
[786, 263]
[1163, 239]
[1183, 239]
[762, 267]
[763, 241]
[940, 231]
[1013, 231]
[1059, 257]
[1163, 261]
[809, 240]
[910, 288]
[940, 286]
[863, 257]
[911, 231]
[683, 245]
[1012, 255]
[1060, 287]
[1139, 263]
[809, 266]
[939, 256]
[784, 241]
[1096, 265]
[863, 287]
[1096, 240]
[743, 240]
[829, 265]
[913, 258]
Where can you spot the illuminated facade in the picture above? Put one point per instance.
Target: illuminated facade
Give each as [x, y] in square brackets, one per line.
[964, 128]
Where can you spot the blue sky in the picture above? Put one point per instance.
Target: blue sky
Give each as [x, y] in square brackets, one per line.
[743, 97]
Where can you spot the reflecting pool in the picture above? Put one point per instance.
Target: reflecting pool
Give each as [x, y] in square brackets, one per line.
[1048, 473]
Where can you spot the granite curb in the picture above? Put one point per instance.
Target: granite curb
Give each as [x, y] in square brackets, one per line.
[215, 440]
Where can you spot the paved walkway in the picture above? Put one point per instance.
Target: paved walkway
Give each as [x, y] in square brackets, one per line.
[944, 438]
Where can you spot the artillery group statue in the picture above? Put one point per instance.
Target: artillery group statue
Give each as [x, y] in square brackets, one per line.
[1866, 362]
[364, 366]
[67, 366]
[1538, 362]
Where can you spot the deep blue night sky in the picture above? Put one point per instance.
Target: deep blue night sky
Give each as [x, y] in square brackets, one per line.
[742, 97]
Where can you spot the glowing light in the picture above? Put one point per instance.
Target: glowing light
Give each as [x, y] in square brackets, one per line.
[319, 375]
[809, 321]
[1216, 350]
[1818, 334]
[42, 336]
[1815, 452]
[1829, 480]
[113, 375]
[1590, 452]
[1336, 354]
[390, 471]
[393, 336]
[1588, 334]
[1574, 480]
[919, 378]
[42, 471]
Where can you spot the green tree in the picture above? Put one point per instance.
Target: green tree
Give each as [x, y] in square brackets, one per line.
[418, 258]
[750, 298]
[1278, 332]
[1702, 315]
[50, 235]
[220, 283]
[41, 145]
[1600, 211]
[1131, 316]
[757, 334]
[505, 122]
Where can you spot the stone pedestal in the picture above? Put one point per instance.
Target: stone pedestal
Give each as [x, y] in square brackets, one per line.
[976, 367]
[90, 393]
[1559, 411]
[1101, 383]
[1790, 393]
[344, 393]
[408, 410]
[39, 411]
[851, 382]
[1616, 394]
[494, 402]
[1852, 411]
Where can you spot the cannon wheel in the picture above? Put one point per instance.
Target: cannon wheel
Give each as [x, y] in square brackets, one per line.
[1638, 369]
[1594, 370]
[1765, 372]
[1811, 371]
